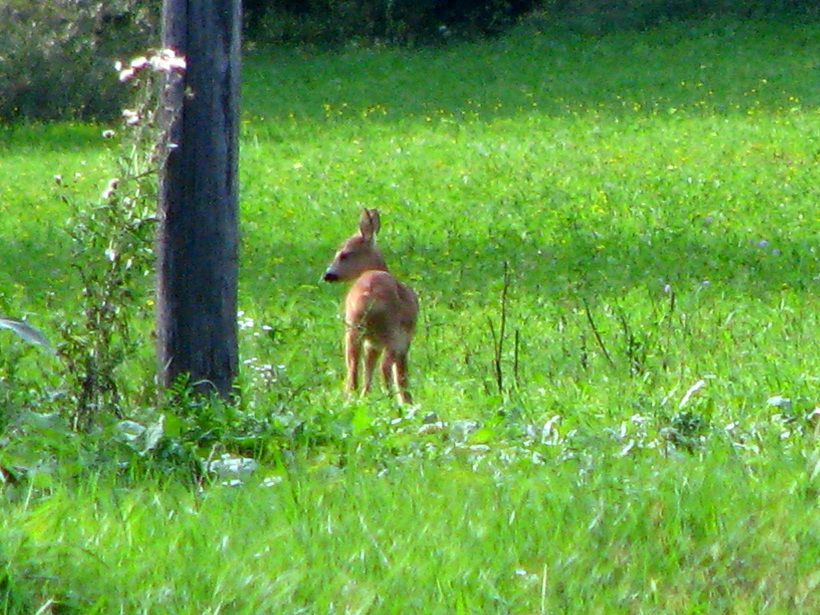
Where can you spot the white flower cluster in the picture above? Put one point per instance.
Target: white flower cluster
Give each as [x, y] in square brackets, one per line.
[163, 61]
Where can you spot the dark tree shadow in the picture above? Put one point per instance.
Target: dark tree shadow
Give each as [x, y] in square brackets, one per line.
[700, 69]
[608, 266]
[711, 67]
[542, 71]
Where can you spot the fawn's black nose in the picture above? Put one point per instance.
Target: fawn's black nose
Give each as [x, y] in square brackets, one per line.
[330, 276]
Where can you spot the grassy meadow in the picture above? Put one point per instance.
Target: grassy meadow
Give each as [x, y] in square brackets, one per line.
[615, 244]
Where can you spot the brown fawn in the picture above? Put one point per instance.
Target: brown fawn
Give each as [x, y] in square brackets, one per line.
[380, 311]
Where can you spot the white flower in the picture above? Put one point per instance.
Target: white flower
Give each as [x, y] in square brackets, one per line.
[167, 61]
[139, 63]
[132, 118]
[110, 189]
[778, 401]
[227, 466]
[127, 74]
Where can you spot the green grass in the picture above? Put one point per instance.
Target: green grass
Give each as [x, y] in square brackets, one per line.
[611, 174]
[630, 535]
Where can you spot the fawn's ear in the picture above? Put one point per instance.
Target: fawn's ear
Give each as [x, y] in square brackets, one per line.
[369, 223]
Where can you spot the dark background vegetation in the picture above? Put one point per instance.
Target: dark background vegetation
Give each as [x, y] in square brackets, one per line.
[56, 58]
[330, 22]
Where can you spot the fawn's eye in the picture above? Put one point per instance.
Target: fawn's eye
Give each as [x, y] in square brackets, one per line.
[343, 255]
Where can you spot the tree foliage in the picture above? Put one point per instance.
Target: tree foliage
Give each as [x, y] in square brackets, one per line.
[393, 21]
[607, 15]
[57, 58]
[329, 22]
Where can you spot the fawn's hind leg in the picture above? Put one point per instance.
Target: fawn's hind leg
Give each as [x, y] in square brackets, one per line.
[400, 372]
[387, 370]
[371, 356]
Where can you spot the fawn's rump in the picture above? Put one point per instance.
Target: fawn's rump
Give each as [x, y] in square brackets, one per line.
[378, 307]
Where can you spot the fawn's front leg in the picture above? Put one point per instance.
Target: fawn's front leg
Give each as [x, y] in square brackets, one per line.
[352, 349]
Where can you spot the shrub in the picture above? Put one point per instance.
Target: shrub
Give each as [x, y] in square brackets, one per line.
[397, 21]
[56, 58]
[331, 22]
[112, 240]
[606, 15]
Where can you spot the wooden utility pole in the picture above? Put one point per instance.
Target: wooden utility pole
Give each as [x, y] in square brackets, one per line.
[198, 236]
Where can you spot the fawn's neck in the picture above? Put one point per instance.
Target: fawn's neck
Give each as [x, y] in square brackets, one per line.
[377, 263]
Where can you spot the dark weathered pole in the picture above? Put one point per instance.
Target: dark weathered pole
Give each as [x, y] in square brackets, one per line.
[197, 242]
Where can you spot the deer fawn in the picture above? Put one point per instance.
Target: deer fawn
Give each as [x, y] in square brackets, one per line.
[380, 311]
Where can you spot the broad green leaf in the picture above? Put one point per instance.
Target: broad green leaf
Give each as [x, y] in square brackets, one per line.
[25, 331]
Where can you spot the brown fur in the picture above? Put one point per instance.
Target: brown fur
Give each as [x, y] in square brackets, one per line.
[380, 311]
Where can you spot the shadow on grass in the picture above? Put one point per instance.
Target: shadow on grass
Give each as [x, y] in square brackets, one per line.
[36, 269]
[607, 266]
[42, 138]
[714, 67]
[679, 65]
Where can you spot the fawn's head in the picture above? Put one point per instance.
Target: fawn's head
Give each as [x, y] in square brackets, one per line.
[359, 253]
